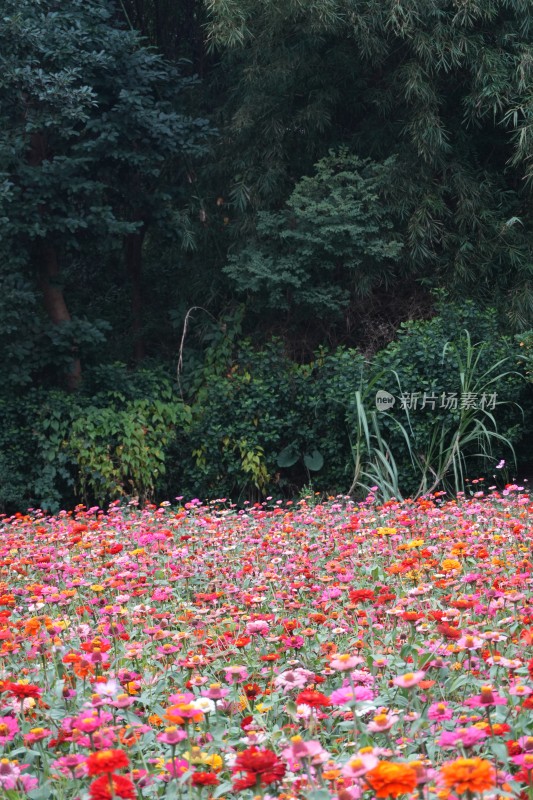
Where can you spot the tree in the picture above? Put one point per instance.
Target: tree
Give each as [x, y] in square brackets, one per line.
[334, 240]
[444, 87]
[94, 148]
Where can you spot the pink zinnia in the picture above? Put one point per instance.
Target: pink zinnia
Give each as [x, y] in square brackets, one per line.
[524, 760]
[526, 743]
[235, 674]
[344, 662]
[90, 722]
[382, 722]
[294, 642]
[362, 677]
[257, 626]
[359, 764]
[358, 694]
[176, 768]
[294, 678]
[409, 679]
[215, 691]
[439, 711]
[469, 642]
[172, 735]
[8, 729]
[71, 766]
[36, 735]
[488, 697]
[519, 690]
[467, 737]
[300, 750]
[181, 697]
[122, 701]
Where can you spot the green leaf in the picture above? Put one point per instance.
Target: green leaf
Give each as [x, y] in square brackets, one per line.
[288, 456]
[314, 461]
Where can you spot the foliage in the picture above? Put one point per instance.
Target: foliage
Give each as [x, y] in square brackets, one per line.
[367, 154]
[93, 147]
[264, 422]
[451, 444]
[525, 341]
[335, 239]
[107, 442]
[119, 450]
[444, 88]
[435, 359]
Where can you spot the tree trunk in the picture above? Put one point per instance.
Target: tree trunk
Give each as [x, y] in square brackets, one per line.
[134, 243]
[55, 305]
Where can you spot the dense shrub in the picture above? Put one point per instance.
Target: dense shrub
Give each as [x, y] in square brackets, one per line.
[253, 422]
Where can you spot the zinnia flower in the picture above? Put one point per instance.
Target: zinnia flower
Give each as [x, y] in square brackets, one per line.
[262, 765]
[409, 679]
[382, 722]
[106, 761]
[468, 775]
[488, 697]
[524, 760]
[439, 711]
[23, 690]
[359, 764]
[171, 735]
[300, 750]
[344, 662]
[348, 695]
[293, 679]
[111, 786]
[8, 728]
[312, 698]
[467, 737]
[204, 779]
[388, 779]
[36, 735]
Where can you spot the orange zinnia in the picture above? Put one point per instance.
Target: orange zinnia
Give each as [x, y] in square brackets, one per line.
[468, 775]
[390, 780]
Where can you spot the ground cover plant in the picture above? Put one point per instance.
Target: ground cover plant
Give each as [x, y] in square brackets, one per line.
[309, 650]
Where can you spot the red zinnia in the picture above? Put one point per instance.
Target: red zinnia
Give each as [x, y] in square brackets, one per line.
[361, 595]
[448, 631]
[251, 690]
[249, 780]
[204, 779]
[106, 761]
[312, 698]
[23, 690]
[262, 765]
[109, 786]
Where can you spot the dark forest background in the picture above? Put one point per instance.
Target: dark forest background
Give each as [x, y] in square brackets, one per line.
[226, 224]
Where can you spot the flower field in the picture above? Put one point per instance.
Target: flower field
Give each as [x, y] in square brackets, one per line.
[284, 651]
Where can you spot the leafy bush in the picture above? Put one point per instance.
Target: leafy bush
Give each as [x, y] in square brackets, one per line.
[107, 442]
[255, 423]
[265, 424]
